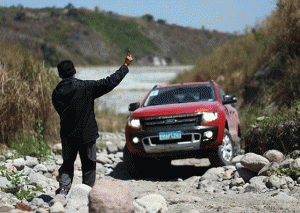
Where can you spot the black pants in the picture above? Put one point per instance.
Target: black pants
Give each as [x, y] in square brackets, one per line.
[87, 155]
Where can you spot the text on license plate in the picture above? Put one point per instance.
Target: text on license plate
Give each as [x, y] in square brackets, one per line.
[169, 135]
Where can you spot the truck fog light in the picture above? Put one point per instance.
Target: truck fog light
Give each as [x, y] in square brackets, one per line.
[135, 140]
[208, 134]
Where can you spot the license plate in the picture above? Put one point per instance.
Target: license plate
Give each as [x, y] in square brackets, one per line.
[169, 135]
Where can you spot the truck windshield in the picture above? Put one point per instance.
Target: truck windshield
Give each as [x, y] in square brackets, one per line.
[181, 94]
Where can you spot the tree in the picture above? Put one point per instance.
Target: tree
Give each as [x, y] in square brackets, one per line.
[70, 6]
[161, 21]
[20, 6]
[148, 17]
[97, 9]
[20, 16]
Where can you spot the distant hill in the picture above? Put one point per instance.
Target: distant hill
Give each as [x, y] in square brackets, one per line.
[102, 38]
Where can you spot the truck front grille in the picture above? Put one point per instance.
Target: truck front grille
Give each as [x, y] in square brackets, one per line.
[171, 121]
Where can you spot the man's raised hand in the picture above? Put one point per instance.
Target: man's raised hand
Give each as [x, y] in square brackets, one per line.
[128, 58]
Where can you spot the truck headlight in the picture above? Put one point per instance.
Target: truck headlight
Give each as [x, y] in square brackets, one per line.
[209, 116]
[134, 123]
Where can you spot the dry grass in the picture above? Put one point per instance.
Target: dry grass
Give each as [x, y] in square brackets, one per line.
[25, 94]
[25, 97]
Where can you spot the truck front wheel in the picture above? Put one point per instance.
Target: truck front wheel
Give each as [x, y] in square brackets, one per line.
[223, 155]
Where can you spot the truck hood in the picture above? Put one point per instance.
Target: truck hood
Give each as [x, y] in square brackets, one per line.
[174, 109]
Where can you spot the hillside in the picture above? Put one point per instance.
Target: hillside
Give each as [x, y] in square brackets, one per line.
[262, 69]
[101, 38]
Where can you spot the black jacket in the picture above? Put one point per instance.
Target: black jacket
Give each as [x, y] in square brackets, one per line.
[73, 99]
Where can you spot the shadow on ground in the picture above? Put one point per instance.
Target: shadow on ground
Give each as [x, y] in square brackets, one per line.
[154, 174]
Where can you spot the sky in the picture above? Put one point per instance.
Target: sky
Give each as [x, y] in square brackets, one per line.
[221, 15]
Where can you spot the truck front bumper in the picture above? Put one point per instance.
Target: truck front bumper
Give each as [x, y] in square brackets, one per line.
[192, 140]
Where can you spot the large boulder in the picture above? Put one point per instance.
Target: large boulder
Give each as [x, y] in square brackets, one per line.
[254, 162]
[110, 196]
[273, 155]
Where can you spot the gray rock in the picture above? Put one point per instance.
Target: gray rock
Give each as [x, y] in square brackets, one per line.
[4, 183]
[295, 154]
[38, 179]
[9, 155]
[119, 155]
[287, 163]
[2, 158]
[111, 148]
[121, 146]
[153, 203]
[239, 166]
[31, 161]
[260, 118]
[6, 208]
[38, 202]
[237, 159]
[290, 183]
[138, 208]
[212, 173]
[256, 184]
[26, 170]
[59, 161]
[103, 159]
[268, 168]
[210, 189]
[41, 210]
[245, 174]
[237, 182]
[50, 168]
[254, 162]
[273, 155]
[280, 182]
[57, 148]
[100, 168]
[296, 163]
[19, 163]
[40, 168]
[57, 208]
[80, 192]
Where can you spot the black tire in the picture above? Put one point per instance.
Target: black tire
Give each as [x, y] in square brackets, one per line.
[223, 155]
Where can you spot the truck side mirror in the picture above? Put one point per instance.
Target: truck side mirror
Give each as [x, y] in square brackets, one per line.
[133, 106]
[229, 99]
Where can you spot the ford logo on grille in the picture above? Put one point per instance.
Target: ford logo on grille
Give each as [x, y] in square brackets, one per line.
[170, 121]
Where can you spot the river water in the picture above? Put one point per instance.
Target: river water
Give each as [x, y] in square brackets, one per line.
[133, 87]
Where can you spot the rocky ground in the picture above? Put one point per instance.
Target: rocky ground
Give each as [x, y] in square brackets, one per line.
[189, 186]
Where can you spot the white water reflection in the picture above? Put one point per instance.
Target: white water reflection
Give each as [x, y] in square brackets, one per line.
[134, 86]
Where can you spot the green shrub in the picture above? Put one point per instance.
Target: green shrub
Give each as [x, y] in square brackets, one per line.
[32, 146]
[277, 131]
[292, 172]
[50, 55]
[20, 16]
[17, 187]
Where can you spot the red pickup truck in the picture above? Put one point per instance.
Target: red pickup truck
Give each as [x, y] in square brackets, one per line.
[190, 120]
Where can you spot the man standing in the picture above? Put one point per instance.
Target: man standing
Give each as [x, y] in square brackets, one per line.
[73, 99]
